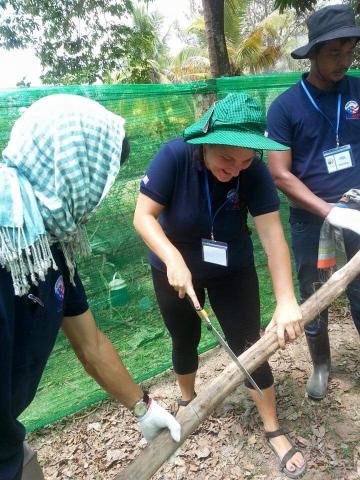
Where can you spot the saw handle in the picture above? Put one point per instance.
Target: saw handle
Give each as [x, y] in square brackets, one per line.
[202, 314]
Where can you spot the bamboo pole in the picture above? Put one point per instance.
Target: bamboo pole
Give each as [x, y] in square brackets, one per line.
[190, 417]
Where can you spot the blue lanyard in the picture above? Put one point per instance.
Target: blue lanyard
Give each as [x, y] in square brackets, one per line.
[207, 190]
[323, 114]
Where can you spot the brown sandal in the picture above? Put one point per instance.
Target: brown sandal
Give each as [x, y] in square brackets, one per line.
[179, 402]
[299, 471]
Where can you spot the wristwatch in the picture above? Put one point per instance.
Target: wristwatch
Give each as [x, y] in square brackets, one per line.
[141, 406]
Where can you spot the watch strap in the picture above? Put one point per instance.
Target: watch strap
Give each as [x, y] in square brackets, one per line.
[146, 399]
[144, 402]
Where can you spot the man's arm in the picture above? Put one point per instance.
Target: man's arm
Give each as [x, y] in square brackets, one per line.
[294, 189]
[101, 360]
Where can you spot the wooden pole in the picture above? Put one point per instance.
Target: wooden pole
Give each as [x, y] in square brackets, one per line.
[190, 417]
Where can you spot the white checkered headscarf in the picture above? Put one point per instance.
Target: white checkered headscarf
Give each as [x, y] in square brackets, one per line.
[68, 148]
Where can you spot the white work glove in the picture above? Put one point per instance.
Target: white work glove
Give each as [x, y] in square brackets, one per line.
[345, 218]
[157, 418]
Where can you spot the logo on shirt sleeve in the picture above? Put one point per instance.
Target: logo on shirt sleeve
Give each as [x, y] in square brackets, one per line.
[352, 110]
[60, 289]
[145, 180]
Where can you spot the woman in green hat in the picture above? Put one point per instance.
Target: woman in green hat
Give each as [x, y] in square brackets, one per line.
[192, 213]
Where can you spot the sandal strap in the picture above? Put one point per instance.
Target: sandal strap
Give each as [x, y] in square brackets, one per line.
[287, 457]
[184, 403]
[277, 433]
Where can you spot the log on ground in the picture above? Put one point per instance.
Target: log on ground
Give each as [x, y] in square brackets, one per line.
[162, 447]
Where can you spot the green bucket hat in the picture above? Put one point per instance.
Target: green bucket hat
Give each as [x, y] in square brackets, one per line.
[236, 120]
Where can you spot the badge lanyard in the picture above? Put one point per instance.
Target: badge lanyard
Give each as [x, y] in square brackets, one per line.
[323, 114]
[207, 190]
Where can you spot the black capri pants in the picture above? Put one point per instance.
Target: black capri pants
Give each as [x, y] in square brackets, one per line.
[235, 300]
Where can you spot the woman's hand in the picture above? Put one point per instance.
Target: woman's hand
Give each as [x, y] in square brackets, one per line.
[286, 321]
[179, 277]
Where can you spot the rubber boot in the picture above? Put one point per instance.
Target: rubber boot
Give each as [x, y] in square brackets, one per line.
[31, 466]
[319, 348]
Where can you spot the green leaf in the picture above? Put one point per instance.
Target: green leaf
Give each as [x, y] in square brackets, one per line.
[299, 5]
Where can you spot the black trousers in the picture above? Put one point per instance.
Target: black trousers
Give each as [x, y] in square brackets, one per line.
[235, 300]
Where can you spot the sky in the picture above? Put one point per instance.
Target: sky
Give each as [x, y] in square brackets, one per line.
[171, 14]
[17, 64]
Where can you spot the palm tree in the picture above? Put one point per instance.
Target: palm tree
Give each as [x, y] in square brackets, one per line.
[192, 62]
[250, 51]
[261, 48]
[189, 65]
[214, 12]
[148, 56]
[214, 26]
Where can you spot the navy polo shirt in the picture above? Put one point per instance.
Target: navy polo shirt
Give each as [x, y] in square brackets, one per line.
[175, 179]
[293, 121]
[28, 329]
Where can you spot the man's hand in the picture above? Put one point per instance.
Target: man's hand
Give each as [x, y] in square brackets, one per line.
[157, 418]
[345, 218]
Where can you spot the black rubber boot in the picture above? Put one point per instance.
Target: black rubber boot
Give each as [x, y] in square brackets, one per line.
[319, 348]
[31, 466]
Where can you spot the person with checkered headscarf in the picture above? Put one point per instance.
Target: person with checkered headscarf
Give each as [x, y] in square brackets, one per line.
[62, 158]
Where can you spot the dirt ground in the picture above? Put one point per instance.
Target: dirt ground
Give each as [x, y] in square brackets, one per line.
[97, 443]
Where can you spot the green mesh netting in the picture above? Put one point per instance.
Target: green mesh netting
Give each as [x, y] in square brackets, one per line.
[154, 114]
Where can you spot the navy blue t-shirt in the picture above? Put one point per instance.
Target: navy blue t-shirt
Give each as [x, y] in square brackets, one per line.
[175, 179]
[293, 121]
[28, 329]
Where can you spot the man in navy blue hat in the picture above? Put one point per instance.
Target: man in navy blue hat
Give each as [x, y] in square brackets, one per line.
[319, 119]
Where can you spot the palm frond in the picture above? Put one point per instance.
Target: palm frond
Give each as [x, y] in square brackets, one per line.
[197, 28]
[261, 48]
[190, 64]
[234, 11]
[267, 59]
[274, 22]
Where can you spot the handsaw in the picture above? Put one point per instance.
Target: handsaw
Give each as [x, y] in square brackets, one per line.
[204, 316]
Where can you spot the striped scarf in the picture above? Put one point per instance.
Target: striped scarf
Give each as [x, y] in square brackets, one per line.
[61, 160]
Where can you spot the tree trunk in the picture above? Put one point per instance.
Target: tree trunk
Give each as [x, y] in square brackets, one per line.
[214, 25]
[158, 451]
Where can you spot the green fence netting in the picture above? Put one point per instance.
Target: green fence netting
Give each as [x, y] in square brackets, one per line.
[154, 114]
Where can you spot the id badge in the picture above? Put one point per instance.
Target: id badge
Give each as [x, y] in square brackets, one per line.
[215, 252]
[339, 158]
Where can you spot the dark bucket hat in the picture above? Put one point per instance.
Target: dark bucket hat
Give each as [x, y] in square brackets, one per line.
[236, 120]
[328, 23]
